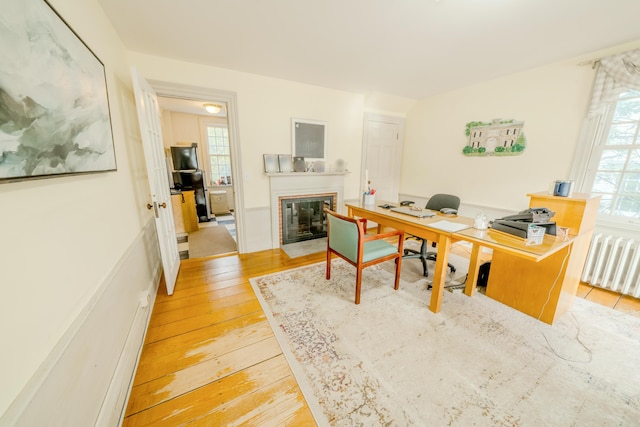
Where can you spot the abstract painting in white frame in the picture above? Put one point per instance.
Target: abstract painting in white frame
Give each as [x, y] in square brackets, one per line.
[54, 108]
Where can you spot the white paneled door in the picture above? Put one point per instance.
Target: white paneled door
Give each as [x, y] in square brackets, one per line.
[151, 133]
[382, 150]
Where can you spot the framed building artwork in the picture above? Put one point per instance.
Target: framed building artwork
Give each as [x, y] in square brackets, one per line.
[54, 107]
[496, 138]
[309, 139]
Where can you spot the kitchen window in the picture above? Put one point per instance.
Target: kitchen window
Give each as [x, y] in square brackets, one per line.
[219, 154]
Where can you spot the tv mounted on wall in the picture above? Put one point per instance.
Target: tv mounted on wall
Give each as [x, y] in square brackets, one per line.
[185, 158]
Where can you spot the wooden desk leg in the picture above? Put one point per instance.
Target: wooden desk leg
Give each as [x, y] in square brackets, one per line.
[474, 268]
[440, 275]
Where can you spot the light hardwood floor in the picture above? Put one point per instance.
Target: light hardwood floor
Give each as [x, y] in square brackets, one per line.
[210, 357]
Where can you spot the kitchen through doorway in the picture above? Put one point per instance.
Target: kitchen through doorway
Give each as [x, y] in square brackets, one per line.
[200, 127]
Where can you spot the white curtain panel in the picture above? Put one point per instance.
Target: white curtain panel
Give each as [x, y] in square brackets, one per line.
[616, 74]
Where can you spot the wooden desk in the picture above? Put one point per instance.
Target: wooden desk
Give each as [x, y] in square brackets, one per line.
[540, 280]
[420, 227]
[503, 242]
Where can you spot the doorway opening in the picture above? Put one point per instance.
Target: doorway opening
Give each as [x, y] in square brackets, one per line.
[186, 122]
[189, 127]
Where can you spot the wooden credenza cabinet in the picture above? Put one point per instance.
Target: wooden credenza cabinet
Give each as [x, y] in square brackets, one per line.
[546, 289]
[184, 212]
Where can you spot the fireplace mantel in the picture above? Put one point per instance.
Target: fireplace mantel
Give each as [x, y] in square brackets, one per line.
[301, 184]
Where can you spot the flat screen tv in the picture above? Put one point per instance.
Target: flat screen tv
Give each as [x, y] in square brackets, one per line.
[184, 158]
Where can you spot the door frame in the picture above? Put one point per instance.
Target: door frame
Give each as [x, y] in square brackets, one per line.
[372, 117]
[181, 91]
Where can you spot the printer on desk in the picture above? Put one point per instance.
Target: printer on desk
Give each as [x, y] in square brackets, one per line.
[523, 224]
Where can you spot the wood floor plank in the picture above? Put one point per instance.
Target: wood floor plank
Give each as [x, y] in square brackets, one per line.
[186, 301]
[244, 293]
[276, 405]
[179, 327]
[200, 374]
[209, 348]
[191, 338]
[204, 286]
[629, 304]
[207, 399]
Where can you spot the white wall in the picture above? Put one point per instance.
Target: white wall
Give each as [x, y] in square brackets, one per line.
[265, 108]
[62, 239]
[551, 100]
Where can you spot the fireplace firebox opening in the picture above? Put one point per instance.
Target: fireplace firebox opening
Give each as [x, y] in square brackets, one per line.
[303, 218]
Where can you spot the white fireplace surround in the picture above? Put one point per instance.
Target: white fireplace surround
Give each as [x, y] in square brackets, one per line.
[301, 184]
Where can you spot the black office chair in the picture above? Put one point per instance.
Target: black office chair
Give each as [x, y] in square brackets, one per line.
[435, 202]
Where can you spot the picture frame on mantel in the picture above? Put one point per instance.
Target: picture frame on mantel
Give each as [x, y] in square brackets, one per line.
[309, 139]
[270, 163]
[285, 163]
[54, 98]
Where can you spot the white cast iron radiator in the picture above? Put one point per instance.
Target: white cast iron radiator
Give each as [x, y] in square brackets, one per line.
[613, 263]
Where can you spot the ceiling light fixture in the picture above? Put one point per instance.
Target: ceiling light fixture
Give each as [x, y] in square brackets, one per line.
[212, 108]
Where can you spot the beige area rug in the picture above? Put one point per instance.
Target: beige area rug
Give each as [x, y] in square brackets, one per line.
[411, 270]
[390, 361]
[209, 241]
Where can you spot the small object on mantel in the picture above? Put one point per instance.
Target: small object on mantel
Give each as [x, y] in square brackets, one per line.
[299, 164]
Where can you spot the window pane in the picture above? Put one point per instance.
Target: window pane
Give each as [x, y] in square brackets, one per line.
[219, 154]
[606, 182]
[628, 206]
[622, 134]
[628, 109]
[612, 160]
[630, 94]
[634, 160]
[605, 203]
[630, 183]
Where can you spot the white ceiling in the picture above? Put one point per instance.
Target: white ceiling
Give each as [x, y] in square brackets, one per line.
[411, 48]
[190, 107]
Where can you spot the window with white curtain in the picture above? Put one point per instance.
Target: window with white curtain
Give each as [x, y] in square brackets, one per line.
[614, 172]
[608, 159]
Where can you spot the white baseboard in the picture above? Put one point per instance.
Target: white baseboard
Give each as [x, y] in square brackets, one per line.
[114, 405]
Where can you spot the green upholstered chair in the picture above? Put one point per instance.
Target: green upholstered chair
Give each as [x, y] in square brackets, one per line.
[347, 238]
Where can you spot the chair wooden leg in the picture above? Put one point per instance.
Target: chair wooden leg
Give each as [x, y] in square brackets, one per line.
[396, 285]
[328, 265]
[358, 284]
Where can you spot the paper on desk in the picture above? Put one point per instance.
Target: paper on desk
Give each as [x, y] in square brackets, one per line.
[448, 226]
